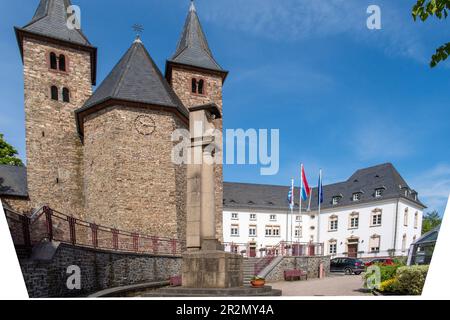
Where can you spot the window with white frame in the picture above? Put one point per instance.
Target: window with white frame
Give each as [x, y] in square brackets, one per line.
[416, 220]
[273, 217]
[332, 247]
[404, 242]
[253, 216]
[354, 220]
[252, 231]
[405, 217]
[298, 232]
[333, 223]
[375, 218]
[234, 230]
[357, 196]
[234, 216]
[272, 231]
[374, 243]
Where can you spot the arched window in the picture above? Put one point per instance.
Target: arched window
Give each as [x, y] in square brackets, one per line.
[66, 95]
[194, 85]
[53, 61]
[62, 62]
[54, 93]
[201, 85]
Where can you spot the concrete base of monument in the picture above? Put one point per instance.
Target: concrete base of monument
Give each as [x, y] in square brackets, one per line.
[212, 269]
[266, 291]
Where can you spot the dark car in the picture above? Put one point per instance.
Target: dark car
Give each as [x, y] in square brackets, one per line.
[382, 261]
[347, 265]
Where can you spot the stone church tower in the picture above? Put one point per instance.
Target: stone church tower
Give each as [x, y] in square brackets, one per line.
[197, 79]
[59, 70]
[106, 157]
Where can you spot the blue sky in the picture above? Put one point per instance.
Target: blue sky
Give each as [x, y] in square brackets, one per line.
[344, 97]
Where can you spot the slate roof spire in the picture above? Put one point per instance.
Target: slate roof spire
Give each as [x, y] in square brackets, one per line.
[50, 20]
[49, 24]
[137, 80]
[193, 48]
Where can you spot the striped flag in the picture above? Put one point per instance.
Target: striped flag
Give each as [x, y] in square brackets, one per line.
[305, 189]
[320, 189]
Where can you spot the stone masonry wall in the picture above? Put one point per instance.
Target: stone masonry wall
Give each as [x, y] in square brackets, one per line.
[99, 270]
[17, 204]
[182, 85]
[131, 182]
[54, 151]
[309, 264]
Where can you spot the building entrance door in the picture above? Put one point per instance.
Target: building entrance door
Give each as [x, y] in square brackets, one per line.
[252, 249]
[352, 250]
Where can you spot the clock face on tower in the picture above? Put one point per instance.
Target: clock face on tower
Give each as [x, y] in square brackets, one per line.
[145, 125]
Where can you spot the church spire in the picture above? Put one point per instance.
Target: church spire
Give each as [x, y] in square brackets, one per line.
[50, 20]
[193, 49]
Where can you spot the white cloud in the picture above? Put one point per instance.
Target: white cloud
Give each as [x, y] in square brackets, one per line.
[434, 187]
[296, 20]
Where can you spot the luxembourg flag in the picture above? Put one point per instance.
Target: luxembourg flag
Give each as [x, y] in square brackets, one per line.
[305, 190]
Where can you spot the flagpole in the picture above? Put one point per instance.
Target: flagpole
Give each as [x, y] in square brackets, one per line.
[292, 205]
[319, 196]
[300, 201]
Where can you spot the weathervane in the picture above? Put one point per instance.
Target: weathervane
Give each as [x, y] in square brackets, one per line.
[138, 28]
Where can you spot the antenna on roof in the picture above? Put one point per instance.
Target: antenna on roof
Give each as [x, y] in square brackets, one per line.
[138, 28]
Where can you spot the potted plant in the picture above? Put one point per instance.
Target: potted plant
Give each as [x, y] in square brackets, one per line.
[258, 282]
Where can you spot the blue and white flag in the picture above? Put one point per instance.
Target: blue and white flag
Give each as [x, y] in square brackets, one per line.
[290, 197]
[320, 189]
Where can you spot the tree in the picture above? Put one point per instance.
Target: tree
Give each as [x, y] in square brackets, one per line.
[8, 154]
[430, 221]
[438, 8]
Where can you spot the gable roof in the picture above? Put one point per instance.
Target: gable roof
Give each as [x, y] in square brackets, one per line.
[193, 49]
[271, 197]
[135, 79]
[50, 20]
[13, 181]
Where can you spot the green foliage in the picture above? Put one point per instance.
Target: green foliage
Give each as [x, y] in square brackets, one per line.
[438, 8]
[430, 221]
[8, 154]
[411, 279]
[401, 261]
[386, 273]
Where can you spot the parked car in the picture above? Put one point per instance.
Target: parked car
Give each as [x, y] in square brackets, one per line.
[382, 261]
[347, 265]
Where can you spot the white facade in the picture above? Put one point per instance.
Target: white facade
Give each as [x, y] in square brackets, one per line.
[374, 229]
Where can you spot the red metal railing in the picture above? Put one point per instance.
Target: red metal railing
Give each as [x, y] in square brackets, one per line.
[51, 225]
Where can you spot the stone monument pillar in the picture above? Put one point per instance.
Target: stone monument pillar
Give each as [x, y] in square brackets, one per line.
[205, 264]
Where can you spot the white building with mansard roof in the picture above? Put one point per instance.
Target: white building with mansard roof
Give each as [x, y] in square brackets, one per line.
[372, 214]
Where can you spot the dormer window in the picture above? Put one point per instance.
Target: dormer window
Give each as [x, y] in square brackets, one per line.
[378, 192]
[357, 196]
[336, 200]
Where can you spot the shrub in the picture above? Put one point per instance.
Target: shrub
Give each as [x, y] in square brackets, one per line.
[389, 286]
[411, 279]
[388, 272]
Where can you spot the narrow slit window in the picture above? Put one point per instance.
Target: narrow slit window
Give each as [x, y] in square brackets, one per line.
[53, 61]
[66, 95]
[62, 62]
[201, 85]
[194, 85]
[54, 93]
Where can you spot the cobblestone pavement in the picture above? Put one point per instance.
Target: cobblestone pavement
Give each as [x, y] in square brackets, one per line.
[334, 285]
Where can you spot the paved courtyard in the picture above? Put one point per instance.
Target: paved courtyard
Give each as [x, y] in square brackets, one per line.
[334, 285]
